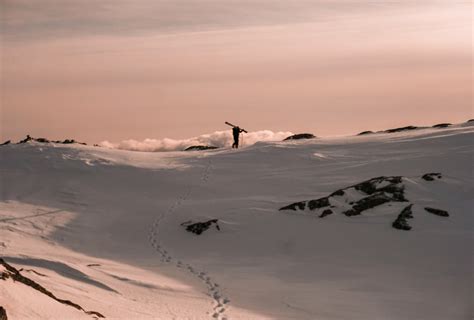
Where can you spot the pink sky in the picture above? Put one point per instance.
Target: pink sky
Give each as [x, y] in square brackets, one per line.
[106, 70]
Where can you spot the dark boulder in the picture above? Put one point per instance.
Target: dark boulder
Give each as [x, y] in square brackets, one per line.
[300, 136]
[41, 140]
[3, 314]
[200, 148]
[431, 176]
[363, 133]
[438, 212]
[6, 143]
[401, 222]
[470, 120]
[442, 125]
[407, 128]
[200, 227]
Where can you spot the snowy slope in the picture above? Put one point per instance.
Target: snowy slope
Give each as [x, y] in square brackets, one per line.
[103, 228]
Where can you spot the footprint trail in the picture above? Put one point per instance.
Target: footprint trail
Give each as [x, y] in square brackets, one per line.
[220, 302]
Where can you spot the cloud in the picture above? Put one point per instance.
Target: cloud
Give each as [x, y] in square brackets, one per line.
[217, 139]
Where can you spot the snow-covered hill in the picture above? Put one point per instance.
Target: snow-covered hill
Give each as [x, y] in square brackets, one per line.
[106, 230]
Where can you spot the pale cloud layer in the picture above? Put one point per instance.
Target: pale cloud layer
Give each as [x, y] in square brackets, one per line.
[217, 139]
[114, 70]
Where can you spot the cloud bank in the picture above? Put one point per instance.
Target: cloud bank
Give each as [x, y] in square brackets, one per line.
[218, 139]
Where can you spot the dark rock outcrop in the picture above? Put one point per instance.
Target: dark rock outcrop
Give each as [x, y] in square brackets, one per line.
[300, 136]
[470, 120]
[14, 274]
[200, 227]
[44, 140]
[431, 176]
[69, 141]
[27, 139]
[319, 203]
[326, 213]
[295, 206]
[407, 128]
[401, 222]
[442, 125]
[376, 192]
[437, 212]
[6, 143]
[3, 314]
[336, 193]
[367, 203]
[200, 148]
[391, 191]
[363, 133]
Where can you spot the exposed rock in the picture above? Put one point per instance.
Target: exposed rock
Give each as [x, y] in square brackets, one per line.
[3, 314]
[391, 192]
[407, 128]
[44, 140]
[200, 227]
[442, 125]
[470, 120]
[13, 273]
[70, 141]
[294, 206]
[431, 176]
[339, 192]
[370, 186]
[300, 136]
[33, 271]
[367, 187]
[5, 143]
[363, 133]
[401, 222]
[318, 203]
[378, 191]
[438, 212]
[27, 139]
[200, 148]
[326, 213]
[369, 202]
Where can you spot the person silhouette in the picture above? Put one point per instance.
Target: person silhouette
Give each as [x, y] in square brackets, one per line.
[236, 133]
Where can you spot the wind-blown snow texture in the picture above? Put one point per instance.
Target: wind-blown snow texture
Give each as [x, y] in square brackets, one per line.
[102, 228]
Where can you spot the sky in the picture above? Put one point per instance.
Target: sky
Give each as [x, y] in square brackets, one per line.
[115, 70]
